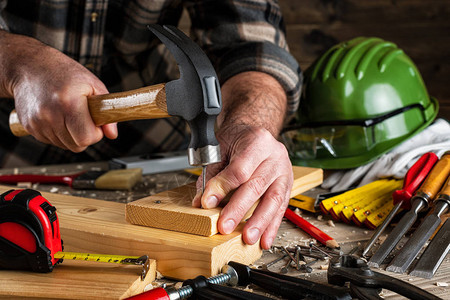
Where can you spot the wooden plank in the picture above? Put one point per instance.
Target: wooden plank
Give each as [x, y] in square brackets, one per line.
[77, 280]
[172, 210]
[98, 226]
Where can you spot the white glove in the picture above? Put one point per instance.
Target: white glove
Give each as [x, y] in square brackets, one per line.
[395, 163]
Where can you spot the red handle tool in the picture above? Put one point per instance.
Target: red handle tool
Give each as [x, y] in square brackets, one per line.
[414, 177]
[402, 198]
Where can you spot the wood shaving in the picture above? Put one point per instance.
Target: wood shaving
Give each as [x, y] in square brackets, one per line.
[331, 223]
[159, 275]
[297, 211]
[54, 190]
[319, 218]
[24, 185]
[178, 285]
[248, 289]
[323, 267]
[441, 283]
[148, 287]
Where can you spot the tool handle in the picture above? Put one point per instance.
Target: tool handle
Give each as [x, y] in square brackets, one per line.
[154, 294]
[445, 190]
[435, 179]
[144, 103]
[64, 179]
[414, 177]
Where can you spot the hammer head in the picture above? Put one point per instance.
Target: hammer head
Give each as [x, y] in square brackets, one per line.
[195, 96]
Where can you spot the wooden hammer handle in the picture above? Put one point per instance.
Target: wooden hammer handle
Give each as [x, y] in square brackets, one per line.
[436, 178]
[144, 103]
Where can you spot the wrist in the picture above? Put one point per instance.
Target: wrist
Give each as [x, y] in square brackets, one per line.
[15, 55]
[253, 100]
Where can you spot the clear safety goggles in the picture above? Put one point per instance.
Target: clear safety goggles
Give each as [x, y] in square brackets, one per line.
[336, 139]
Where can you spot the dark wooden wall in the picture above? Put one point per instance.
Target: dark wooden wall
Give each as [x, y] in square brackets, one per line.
[420, 27]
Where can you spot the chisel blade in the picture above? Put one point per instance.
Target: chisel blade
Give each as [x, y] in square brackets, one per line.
[395, 236]
[434, 254]
[403, 260]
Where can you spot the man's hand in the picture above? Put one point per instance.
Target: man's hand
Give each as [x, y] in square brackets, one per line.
[50, 91]
[254, 164]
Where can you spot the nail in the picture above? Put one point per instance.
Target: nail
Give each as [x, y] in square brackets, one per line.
[228, 226]
[290, 255]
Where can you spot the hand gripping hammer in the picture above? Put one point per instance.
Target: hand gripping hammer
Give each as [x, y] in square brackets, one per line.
[195, 97]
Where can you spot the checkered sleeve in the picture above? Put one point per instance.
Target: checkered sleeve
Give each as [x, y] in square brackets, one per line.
[246, 35]
[3, 25]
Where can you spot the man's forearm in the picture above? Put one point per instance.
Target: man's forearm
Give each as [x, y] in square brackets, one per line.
[253, 99]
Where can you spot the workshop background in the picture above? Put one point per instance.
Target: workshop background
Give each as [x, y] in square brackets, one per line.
[420, 28]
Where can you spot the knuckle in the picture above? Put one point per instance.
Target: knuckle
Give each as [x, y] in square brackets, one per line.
[240, 175]
[257, 184]
[278, 197]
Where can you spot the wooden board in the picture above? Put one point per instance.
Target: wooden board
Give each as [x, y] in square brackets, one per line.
[172, 210]
[98, 226]
[77, 280]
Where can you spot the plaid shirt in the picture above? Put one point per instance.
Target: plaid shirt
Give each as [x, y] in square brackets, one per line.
[110, 38]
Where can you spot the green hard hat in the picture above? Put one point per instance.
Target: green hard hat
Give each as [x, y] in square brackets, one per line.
[360, 99]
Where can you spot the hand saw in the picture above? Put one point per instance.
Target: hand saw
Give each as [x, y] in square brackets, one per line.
[30, 237]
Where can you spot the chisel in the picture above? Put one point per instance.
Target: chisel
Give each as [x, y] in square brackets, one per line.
[415, 243]
[401, 198]
[419, 201]
[434, 254]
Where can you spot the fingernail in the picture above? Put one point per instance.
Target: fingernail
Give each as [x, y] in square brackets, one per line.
[228, 226]
[253, 235]
[211, 202]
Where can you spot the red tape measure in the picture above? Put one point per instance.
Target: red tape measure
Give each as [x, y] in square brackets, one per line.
[29, 232]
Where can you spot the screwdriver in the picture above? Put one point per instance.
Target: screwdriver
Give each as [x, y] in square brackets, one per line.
[419, 201]
[413, 178]
[410, 250]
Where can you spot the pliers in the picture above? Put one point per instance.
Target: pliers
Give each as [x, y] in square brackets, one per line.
[366, 284]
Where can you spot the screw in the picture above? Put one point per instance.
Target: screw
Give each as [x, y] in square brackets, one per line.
[228, 275]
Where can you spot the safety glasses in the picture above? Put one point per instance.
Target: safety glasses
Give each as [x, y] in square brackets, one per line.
[348, 138]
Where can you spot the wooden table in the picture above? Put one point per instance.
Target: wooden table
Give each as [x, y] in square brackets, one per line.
[348, 236]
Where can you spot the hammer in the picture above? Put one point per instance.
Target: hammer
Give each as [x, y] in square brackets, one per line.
[195, 97]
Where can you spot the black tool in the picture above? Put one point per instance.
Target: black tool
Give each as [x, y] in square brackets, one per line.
[367, 284]
[287, 286]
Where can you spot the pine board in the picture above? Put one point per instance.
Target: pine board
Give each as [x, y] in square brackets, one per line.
[98, 226]
[77, 280]
[172, 210]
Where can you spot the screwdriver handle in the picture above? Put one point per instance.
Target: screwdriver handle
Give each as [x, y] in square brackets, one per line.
[414, 177]
[444, 193]
[435, 179]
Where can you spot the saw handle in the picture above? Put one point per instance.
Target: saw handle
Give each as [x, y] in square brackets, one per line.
[414, 177]
[436, 178]
[144, 103]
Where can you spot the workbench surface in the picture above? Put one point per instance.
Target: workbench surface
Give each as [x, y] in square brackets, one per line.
[348, 236]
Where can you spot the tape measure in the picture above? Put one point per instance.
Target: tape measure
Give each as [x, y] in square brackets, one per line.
[30, 238]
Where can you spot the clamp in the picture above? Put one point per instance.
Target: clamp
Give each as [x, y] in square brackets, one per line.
[367, 284]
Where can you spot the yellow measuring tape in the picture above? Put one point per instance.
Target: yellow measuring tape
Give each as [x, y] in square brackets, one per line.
[106, 258]
[118, 259]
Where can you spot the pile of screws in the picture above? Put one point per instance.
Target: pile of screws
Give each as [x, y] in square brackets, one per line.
[297, 257]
